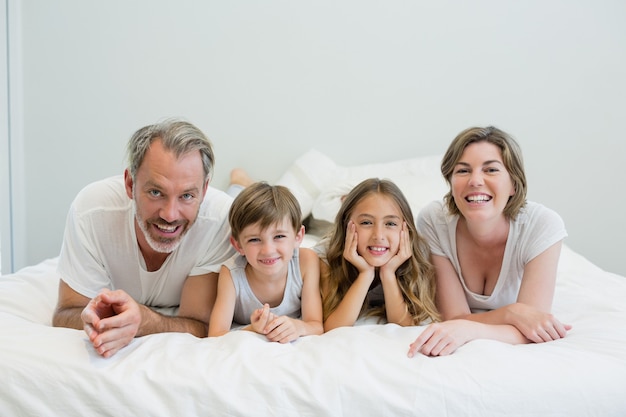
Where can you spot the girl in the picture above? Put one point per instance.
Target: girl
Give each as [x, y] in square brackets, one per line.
[272, 285]
[375, 258]
[495, 254]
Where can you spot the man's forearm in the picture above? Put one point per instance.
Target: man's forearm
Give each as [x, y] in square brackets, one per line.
[68, 317]
[154, 322]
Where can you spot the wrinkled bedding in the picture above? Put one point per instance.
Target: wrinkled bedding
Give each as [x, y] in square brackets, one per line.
[356, 371]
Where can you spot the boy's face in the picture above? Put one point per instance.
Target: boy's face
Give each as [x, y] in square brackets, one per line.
[269, 251]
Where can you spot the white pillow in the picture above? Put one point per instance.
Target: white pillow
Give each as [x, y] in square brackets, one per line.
[307, 177]
[419, 179]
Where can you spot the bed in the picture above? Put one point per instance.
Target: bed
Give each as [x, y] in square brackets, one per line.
[356, 371]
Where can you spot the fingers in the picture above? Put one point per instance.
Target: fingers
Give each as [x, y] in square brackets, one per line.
[90, 331]
[407, 244]
[272, 323]
[260, 318]
[123, 319]
[89, 316]
[434, 341]
[266, 315]
[552, 332]
[350, 251]
[275, 328]
[405, 248]
[351, 234]
[106, 304]
[282, 330]
[91, 319]
[124, 313]
[256, 315]
[404, 252]
[438, 348]
[551, 329]
[113, 297]
[416, 346]
[350, 247]
[111, 341]
[562, 329]
[111, 321]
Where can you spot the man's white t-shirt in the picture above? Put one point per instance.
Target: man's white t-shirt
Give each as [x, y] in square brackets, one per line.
[100, 248]
[534, 230]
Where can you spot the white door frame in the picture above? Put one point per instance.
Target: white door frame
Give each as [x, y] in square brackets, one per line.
[12, 208]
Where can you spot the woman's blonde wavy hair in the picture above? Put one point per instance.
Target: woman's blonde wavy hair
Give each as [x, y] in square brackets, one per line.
[511, 157]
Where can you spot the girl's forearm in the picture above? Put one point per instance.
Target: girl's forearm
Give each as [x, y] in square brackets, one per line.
[395, 306]
[349, 308]
[310, 327]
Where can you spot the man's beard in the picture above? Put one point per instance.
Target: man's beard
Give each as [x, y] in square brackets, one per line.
[161, 245]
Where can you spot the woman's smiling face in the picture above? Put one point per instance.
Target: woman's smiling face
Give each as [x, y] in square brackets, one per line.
[481, 184]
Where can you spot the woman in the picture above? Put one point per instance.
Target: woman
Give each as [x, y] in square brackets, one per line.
[495, 254]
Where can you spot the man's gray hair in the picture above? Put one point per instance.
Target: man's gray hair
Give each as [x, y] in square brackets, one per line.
[177, 136]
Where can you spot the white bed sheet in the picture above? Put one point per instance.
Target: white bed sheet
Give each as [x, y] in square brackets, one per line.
[357, 371]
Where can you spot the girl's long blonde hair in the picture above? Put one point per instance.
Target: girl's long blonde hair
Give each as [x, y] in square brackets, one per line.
[416, 276]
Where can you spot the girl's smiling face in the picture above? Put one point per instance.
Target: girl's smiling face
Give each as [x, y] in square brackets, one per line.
[481, 184]
[378, 222]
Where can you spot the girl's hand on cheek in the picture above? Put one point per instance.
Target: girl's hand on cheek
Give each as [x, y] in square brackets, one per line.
[350, 252]
[405, 251]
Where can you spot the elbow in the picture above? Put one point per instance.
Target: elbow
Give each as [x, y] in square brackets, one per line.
[197, 327]
[332, 324]
[65, 317]
[56, 321]
[216, 332]
[328, 326]
[317, 328]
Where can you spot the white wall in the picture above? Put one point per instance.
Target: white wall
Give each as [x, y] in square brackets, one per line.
[360, 80]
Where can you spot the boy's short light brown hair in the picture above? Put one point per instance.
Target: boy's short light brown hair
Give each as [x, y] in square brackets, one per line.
[263, 204]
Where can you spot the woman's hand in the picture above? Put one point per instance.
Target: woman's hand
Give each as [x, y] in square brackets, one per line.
[536, 325]
[440, 339]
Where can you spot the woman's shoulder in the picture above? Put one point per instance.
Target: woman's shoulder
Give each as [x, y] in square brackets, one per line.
[537, 212]
[434, 213]
[435, 208]
[538, 220]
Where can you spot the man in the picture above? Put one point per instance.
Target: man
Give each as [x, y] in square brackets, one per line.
[155, 238]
